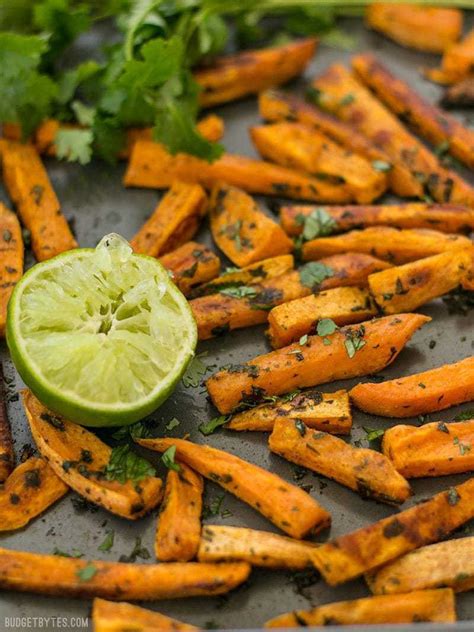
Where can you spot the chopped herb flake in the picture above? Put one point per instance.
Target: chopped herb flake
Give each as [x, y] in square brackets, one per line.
[108, 542]
[208, 427]
[86, 573]
[168, 457]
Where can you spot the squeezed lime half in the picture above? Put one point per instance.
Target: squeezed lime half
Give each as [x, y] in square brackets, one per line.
[101, 336]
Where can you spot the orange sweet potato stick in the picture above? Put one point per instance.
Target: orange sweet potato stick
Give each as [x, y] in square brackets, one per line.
[420, 393]
[231, 77]
[30, 189]
[287, 506]
[356, 553]
[174, 221]
[109, 616]
[191, 264]
[353, 350]
[11, 259]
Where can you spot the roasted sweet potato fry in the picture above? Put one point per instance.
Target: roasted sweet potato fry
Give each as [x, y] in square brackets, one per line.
[174, 221]
[420, 393]
[416, 172]
[287, 506]
[425, 118]
[449, 564]
[431, 29]
[11, 260]
[281, 106]
[242, 230]
[361, 350]
[191, 265]
[434, 449]
[7, 457]
[436, 606]
[109, 616]
[70, 577]
[356, 553]
[258, 548]
[179, 525]
[80, 459]
[210, 126]
[365, 471]
[151, 165]
[216, 314]
[30, 489]
[30, 189]
[404, 288]
[249, 275]
[304, 148]
[456, 63]
[231, 77]
[344, 305]
[330, 412]
[447, 218]
[394, 245]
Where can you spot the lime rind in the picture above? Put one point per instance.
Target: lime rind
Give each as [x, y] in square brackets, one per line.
[101, 336]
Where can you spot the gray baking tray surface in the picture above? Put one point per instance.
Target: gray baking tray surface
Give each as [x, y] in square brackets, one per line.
[95, 201]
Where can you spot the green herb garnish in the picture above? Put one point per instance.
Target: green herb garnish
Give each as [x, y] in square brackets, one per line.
[125, 465]
[208, 427]
[168, 459]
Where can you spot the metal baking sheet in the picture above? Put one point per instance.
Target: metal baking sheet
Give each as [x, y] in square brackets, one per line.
[95, 201]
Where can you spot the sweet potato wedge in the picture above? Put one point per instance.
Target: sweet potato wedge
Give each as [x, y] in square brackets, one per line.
[393, 244]
[11, 260]
[174, 221]
[352, 351]
[407, 24]
[249, 275]
[367, 472]
[425, 118]
[280, 106]
[420, 393]
[152, 166]
[179, 525]
[242, 230]
[258, 548]
[404, 288]
[416, 172]
[70, 577]
[29, 187]
[447, 218]
[344, 305]
[436, 606]
[361, 551]
[7, 457]
[191, 265]
[216, 314]
[231, 77]
[108, 616]
[287, 506]
[30, 489]
[330, 412]
[449, 564]
[210, 126]
[80, 459]
[456, 63]
[306, 149]
[434, 449]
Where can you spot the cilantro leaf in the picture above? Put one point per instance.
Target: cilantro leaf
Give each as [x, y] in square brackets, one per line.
[173, 423]
[314, 273]
[27, 95]
[208, 427]
[326, 327]
[125, 465]
[108, 542]
[372, 434]
[318, 224]
[86, 573]
[138, 551]
[241, 291]
[74, 145]
[465, 416]
[168, 459]
[195, 371]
